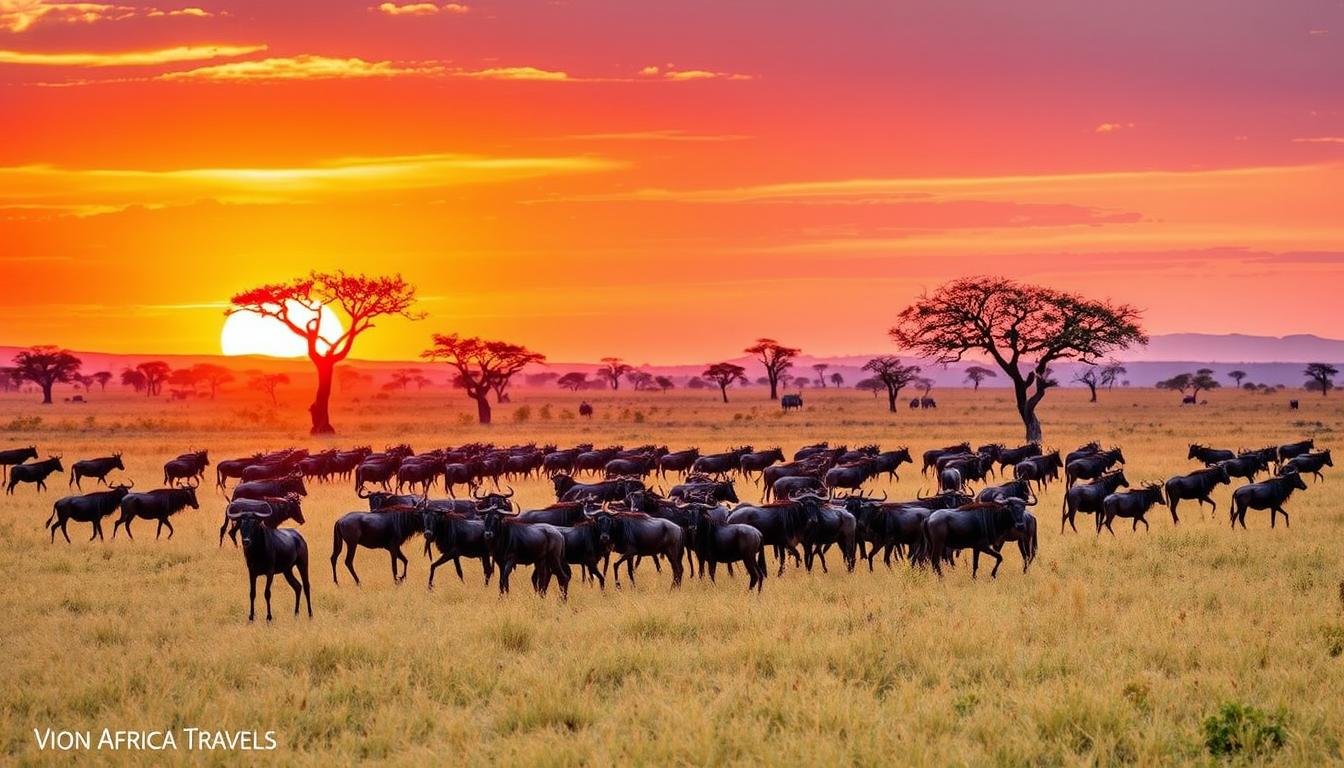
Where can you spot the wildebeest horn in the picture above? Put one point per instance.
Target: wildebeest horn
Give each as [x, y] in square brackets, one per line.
[884, 495]
[508, 495]
[361, 494]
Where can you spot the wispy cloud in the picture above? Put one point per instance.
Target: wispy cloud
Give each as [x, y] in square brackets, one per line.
[1112, 127]
[515, 73]
[661, 134]
[27, 189]
[21, 15]
[673, 74]
[304, 67]
[1320, 140]
[154, 57]
[421, 9]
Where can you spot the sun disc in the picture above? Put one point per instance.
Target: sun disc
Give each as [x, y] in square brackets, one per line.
[247, 333]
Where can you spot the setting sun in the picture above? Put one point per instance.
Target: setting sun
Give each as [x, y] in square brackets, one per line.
[245, 333]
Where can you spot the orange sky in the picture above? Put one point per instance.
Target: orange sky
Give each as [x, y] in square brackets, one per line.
[666, 181]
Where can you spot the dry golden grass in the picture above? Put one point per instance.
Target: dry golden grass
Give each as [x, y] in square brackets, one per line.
[1109, 651]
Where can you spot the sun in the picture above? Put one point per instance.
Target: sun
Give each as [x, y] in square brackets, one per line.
[246, 333]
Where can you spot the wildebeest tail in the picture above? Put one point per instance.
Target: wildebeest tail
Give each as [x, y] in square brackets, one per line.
[53, 516]
[335, 549]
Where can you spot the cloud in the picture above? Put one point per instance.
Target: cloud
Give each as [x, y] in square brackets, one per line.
[304, 67]
[421, 9]
[672, 74]
[20, 15]
[92, 191]
[515, 73]
[1320, 140]
[199, 13]
[129, 58]
[661, 134]
[1111, 127]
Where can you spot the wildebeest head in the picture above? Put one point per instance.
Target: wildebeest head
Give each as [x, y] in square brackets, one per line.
[295, 504]
[1153, 493]
[502, 501]
[1294, 480]
[190, 491]
[604, 522]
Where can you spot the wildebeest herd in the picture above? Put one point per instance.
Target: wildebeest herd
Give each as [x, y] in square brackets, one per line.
[611, 501]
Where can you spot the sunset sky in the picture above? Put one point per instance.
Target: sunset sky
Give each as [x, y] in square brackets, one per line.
[666, 181]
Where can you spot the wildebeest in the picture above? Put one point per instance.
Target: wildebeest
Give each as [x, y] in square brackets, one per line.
[586, 410]
[1197, 485]
[705, 489]
[159, 504]
[1087, 449]
[1292, 450]
[274, 510]
[720, 463]
[1308, 462]
[1018, 488]
[1088, 497]
[587, 542]
[260, 489]
[1091, 467]
[1293, 405]
[456, 536]
[791, 402]
[677, 461]
[188, 466]
[834, 526]
[785, 487]
[757, 461]
[387, 529]
[851, 476]
[1247, 465]
[95, 468]
[514, 542]
[637, 535]
[783, 524]
[932, 455]
[1269, 494]
[1009, 457]
[420, 473]
[36, 472]
[89, 508]
[615, 489]
[1188, 400]
[979, 527]
[268, 552]
[810, 450]
[1039, 469]
[717, 542]
[233, 468]
[9, 458]
[1134, 504]
[1209, 456]
[950, 480]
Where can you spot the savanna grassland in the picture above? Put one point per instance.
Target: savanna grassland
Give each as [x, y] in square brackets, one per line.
[1110, 650]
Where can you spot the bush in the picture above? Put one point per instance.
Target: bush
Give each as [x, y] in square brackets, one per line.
[545, 412]
[1240, 729]
[522, 414]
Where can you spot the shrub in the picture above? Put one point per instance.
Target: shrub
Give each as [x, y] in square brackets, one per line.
[522, 414]
[1240, 729]
[544, 413]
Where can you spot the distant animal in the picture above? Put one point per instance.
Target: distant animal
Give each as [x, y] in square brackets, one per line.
[927, 402]
[15, 456]
[791, 402]
[95, 468]
[586, 410]
[1293, 405]
[1270, 494]
[37, 473]
[269, 552]
[89, 508]
[1188, 400]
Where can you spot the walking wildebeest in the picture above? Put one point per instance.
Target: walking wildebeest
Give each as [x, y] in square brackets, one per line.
[977, 526]
[587, 542]
[89, 508]
[1009, 457]
[1308, 462]
[95, 468]
[159, 504]
[932, 455]
[233, 468]
[387, 529]
[783, 524]
[851, 476]
[1209, 456]
[188, 466]
[720, 463]
[1088, 497]
[615, 489]
[1269, 494]
[757, 461]
[1039, 469]
[268, 552]
[1134, 504]
[1197, 485]
[1292, 450]
[514, 542]
[261, 489]
[456, 536]
[705, 489]
[1247, 465]
[36, 472]
[1091, 467]
[834, 526]
[275, 511]
[717, 542]
[14, 456]
[637, 534]
[677, 461]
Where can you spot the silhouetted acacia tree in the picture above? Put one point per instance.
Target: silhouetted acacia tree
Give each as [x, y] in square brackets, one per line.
[978, 373]
[1236, 376]
[1321, 377]
[776, 358]
[725, 375]
[156, 372]
[613, 368]
[360, 298]
[268, 383]
[893, 375]
[1023, 329]
[573, 381]
[483, 366]
[46, 366]
[1091, 379]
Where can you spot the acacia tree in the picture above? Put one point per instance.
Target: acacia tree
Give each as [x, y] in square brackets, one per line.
[46, 366]
[613, 368]
[156, 372]
[889, 373]
[573, 381]
[1111, 372]
[776, 358]
[482, 366]
[268, 382]
[1236, 376]
[821, 369]
[1022, 328]
[664, 383]
[1091, 378]
[837, 380]
[130, 377]
[978, 373]
[724, 375]
[102, 377]
[360, 298]
[211, 375]
[1321, 377]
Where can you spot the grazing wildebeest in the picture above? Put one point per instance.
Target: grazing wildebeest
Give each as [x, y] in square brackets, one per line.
[783, 524]
[260, 489]
[36, 472]
[978, 526]
[89, 508]
[1009, 457]
[388, 529]
[1308, 462]
[677, 461]
[159, 504]
[1292, 450]
[1091, 467]
[456, 536]
[1269, 494]
[1088, 497]
[269, 551]
[1209, 456]
[932, 455]
[95, 468]
[890, 461]
[188, 466]
[834, 525]
[1247, 465]
[791, 402]
[514, 542]
[717, 542]
[705, 489]
[275, 510]
[757, 461]
[1134, 504]
[1197, 485]
[14, 456]
[615, 489]
[720, 463]
[1039, 469]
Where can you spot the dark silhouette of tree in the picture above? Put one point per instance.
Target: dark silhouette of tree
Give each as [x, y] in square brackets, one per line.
[821, 369]
[183, 379]
[130, 377]
[348, 379]
[924, 383]
[102, 377]
[641, 380]
[360, 298]
[1091, 378]
[573, 381]
[1110, 373]
[1023, 329]
[1195, 382]
[268, 382]
[213, 376]
[613, 368]
[46, 366]
[776, 358]
[891, 374]
[695, 382]
[1236, 376]
[156, 372]
[725, 375]
[1321, 377]
[484, 366]
[663, 382]
[540, 379]
[870, 385]
[978, 373]
[837, 380]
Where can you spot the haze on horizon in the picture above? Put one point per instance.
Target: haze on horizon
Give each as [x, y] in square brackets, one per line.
[666, 182]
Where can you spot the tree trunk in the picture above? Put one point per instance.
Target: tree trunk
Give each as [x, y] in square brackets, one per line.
[1093, 387]
[1027, 410]
[483, 408]
[723, 390]
[46, 393]
[891, 400]
[976, 382]
[774, 385]
[321, 407]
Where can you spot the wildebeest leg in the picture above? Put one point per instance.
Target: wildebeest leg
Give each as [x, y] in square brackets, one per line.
[159, 529]
[395, 554]
[821, 555]
[505, 568]
[713, 564]
[269, 578]
[166, 522]
[222, 528]
[349, 563]
[975, 561]
[294, 585]
[596, 574]
[998, 560]
[1285, 517]
[434, 565]
[1174, 519]
[251, 594]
